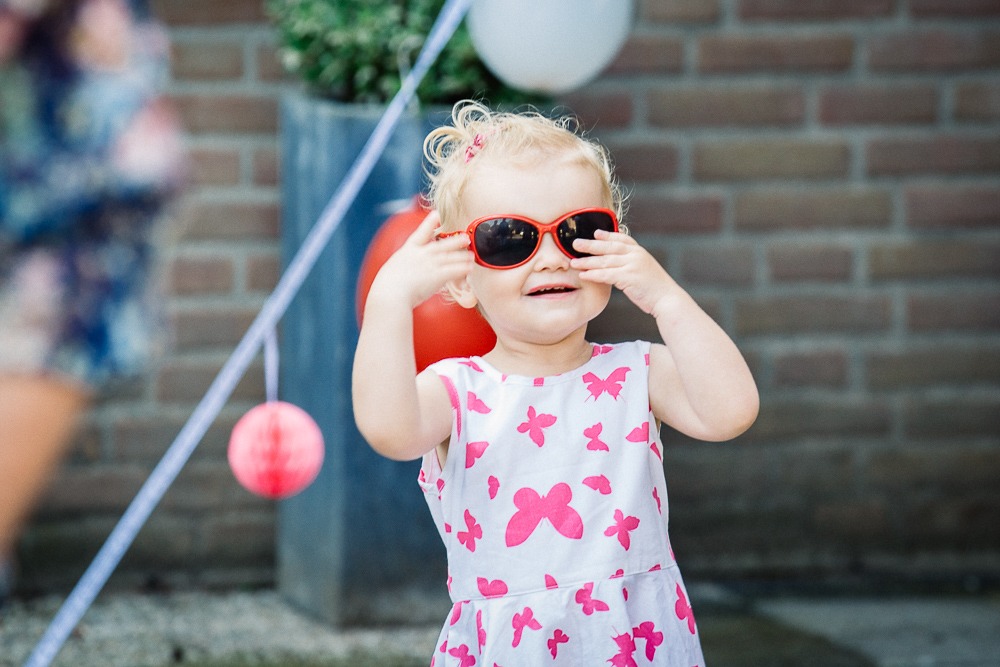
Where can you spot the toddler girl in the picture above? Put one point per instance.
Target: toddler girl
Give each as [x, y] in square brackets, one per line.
[542, 461]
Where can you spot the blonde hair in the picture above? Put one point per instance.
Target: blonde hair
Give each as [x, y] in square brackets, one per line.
[478, 134]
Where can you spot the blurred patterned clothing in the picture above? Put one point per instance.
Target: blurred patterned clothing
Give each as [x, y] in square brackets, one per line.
[76, 228]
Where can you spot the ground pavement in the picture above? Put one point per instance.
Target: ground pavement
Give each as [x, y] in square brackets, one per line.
[239, 629]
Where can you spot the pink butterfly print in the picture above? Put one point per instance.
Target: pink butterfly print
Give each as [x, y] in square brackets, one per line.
[539, 382]
[598, 483]
[623, 524]
[619, 573]
[526, 619]
[534, 425]
[647, 631]
[447, 528]
[471, 364]
[590, 605]
[639, 434]
[656, 497]
[494, 486]
[473, 452]
[601, 349]
[558, 637]
[550, 582]
[532, 508]
[684, 610]
[612, 384]
[456, 612]
[480, 630]
[594, 433]
[626, 651]
[491, 589]
[656, 450]
[472, 533]
[474, 404]
[462, 653]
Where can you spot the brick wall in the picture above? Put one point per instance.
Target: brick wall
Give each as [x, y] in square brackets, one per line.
[823, 176]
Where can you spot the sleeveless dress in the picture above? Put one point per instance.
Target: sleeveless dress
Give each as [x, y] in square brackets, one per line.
[552, 506]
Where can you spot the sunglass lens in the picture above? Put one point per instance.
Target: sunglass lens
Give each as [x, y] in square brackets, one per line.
[505, 241]
[583, 226]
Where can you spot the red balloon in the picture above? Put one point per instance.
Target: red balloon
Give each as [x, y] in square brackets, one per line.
[441, 329]
[276, 450]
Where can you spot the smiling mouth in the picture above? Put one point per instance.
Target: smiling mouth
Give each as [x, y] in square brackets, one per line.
[544, 291]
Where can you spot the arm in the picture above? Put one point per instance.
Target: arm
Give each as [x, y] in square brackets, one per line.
[401, 414]
[698, 381]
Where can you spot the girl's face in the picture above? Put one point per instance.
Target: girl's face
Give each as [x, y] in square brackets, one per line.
[542, 301]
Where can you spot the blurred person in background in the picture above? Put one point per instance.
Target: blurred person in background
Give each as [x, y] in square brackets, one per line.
[89, 156]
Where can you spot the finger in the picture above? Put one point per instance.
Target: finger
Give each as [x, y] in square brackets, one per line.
[424, 232]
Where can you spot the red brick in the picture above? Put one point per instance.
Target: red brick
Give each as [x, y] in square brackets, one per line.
[937, 50]
[930, 259]
[727, 106]
[812, 313]
[621, 321]
[208, 13]
[649, 54]
[242, 114]
[675, 215]
[239, 539]
[265, 166]
[718, 265]
[211, 328]
[822, 209]
[951, 311]
[977, 101]
[262, 272]
[681, 11]
[186, 382]
[214, 166]
[99, 489]
[953, 418]
[269, 67]
[946, 207]
[813, 9]
[885, 105]
[201, 275]
[752, 53]
[598, 112]
[144, 439]
[746, 160]
[808, 418]
[207, 61]
[933, 365]
[954, 8]
[855, 521]
[948, 155]
[815, 368]
[797, 263]
[233, 221]
[646, 161]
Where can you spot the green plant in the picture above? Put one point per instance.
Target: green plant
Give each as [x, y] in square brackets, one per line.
[355, 51]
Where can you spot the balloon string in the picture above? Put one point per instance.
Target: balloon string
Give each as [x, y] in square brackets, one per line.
[271, 366]
[163, 475]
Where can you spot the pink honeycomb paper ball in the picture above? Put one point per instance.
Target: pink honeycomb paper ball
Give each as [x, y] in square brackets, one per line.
[276, 450]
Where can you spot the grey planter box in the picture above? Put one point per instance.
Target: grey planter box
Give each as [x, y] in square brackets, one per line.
[358, 546]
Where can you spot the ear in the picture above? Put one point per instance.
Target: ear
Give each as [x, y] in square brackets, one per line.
[461, 293]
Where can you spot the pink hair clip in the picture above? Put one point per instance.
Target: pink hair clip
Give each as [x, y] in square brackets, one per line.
[477, 143]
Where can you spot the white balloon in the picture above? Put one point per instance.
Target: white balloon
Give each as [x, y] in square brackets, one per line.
[548, 46]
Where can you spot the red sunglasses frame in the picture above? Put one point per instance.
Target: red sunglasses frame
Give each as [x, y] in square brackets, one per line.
[543, 229]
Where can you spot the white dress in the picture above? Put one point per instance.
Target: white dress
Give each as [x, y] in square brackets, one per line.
[553, 509]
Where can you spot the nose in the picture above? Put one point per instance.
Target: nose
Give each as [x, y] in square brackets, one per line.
[549, 255]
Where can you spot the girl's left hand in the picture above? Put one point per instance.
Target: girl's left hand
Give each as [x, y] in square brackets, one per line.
[618, 259]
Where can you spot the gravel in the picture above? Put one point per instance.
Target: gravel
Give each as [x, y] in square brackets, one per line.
[197, 628]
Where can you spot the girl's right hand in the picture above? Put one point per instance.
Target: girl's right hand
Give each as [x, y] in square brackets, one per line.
[422, 266]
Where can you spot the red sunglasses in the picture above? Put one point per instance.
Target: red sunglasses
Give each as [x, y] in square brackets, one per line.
[508, 241]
